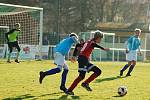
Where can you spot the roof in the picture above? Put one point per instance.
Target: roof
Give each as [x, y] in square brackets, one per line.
[122, 27]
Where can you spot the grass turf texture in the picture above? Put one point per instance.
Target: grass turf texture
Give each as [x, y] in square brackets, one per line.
[20, 82]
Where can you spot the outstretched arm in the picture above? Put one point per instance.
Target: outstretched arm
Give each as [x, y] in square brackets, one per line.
[98, 46]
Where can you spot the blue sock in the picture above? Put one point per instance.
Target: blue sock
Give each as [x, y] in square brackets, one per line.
[130, 69]
[124, 68]
[64, 76]
[52, 71]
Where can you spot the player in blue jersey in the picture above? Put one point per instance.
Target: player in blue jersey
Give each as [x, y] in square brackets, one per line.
[132, 44]
[61, 50]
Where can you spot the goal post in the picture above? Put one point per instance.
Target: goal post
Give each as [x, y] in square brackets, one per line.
[3, 46]
[31, 20]
[3, 30]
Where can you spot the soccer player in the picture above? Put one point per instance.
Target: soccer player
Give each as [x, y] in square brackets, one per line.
[12, 41]
[132, 44]
[61, 50]
[84, 64]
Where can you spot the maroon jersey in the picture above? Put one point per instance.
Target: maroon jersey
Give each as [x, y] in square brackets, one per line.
[88, 48]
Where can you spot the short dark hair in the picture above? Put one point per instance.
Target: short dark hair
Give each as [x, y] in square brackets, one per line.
[98, 34]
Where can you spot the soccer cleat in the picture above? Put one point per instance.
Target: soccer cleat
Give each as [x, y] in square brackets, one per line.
[86, 86]
[41, 76]
[16, 61]
[69, 92]
[128, 75]
[63, 88]
[8, 61]
[121, 73]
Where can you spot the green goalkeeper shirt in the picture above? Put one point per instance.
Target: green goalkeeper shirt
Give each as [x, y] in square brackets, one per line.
[12, 35]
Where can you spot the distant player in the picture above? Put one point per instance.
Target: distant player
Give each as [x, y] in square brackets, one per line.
[85, 65]
[61, 50]
[132, 44]
[12, 40]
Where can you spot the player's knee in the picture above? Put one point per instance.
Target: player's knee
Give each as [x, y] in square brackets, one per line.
[98, 71]
[66, 71]
[59, 69]
[129, 64]
[82, 75]
[133, 65]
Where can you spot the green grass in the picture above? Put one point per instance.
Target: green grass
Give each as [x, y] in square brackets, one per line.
[20, 81]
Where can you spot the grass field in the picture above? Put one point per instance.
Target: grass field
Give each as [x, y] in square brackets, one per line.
[20, 82]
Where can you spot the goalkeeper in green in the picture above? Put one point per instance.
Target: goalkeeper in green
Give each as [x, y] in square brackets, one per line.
[12, 41]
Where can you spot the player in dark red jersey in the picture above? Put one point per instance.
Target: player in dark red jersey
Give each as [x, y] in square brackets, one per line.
[85, 65]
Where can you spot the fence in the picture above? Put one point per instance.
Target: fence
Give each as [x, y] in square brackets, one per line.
[100, 55]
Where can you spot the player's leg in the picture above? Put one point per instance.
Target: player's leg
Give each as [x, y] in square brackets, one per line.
[82, 62]
[59, 61]
[18, 51]
[63, 78]
[49, 72]
[10, 51]
[125, 67]
[129, 59]
[76, 82]
[131, 68]
[133, 62]
[96, 73]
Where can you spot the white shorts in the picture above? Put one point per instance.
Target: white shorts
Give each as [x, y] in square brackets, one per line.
[59, 59]
[131, 56]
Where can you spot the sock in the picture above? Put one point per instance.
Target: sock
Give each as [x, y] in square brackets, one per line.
[130, 69]
[91, 78]
[52, 71]
[125, 67]
[64, 76]
[17, 55]
[75, 83]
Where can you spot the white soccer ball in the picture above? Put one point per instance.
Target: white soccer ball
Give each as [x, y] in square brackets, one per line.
[122, 90]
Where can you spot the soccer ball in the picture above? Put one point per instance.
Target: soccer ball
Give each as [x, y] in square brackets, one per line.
[122, 90]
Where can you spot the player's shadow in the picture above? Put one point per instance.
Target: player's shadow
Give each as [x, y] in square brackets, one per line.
[108, 79]
[21, 97]
[118, 96]
[65, 97]
[50, 94]
[31, 97]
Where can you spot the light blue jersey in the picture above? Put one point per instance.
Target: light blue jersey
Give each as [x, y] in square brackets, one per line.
[133, 43]
[64, 46]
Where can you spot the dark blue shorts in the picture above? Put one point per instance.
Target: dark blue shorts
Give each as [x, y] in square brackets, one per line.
[84, 64]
